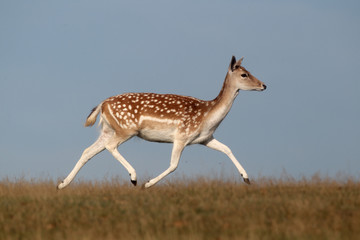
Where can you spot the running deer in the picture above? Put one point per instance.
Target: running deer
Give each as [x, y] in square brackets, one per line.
[168, 118]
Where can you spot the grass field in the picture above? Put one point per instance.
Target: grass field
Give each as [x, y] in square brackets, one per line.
[195, 209]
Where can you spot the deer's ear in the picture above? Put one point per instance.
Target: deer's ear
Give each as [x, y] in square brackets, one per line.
[238, 63]
[232, 64]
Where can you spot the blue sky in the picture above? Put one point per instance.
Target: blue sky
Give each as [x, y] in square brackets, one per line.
[58, 59]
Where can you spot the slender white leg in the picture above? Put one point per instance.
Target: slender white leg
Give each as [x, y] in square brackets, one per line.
[112, 148]
[215, 144]
[175, 157]
[90, 152]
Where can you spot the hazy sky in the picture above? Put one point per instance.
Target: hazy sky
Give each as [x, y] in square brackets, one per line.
[58, 59]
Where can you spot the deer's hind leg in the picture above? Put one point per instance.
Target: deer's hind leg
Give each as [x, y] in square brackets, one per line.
[118, 138]
[105, 136]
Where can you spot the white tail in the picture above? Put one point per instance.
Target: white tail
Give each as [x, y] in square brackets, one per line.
[91, 119]
[170, 118]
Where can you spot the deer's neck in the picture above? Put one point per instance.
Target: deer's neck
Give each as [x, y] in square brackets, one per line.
[222, 103]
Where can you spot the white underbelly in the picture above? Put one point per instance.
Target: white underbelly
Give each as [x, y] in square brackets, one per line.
[157, 135]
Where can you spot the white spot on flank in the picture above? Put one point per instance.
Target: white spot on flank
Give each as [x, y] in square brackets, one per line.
[112, 115]
[130, 107]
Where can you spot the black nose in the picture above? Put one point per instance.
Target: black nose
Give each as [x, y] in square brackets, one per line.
[264, 86]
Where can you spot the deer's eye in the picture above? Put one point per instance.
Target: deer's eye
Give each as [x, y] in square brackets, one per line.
[244, 75]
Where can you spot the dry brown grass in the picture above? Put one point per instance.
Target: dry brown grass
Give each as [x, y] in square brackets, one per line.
[196, 209]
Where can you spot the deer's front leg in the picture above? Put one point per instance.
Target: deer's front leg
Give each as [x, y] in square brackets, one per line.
[175, 157]
[215, 144]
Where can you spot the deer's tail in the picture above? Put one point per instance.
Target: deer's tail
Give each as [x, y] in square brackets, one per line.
[91, 119]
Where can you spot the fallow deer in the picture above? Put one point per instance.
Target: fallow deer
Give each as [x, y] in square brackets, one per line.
[169, 118]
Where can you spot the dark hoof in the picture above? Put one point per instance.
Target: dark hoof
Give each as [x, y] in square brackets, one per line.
[57, 187]
[246, 180]
[134, 182]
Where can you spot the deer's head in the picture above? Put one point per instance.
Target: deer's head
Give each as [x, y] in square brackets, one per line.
[243, 79]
